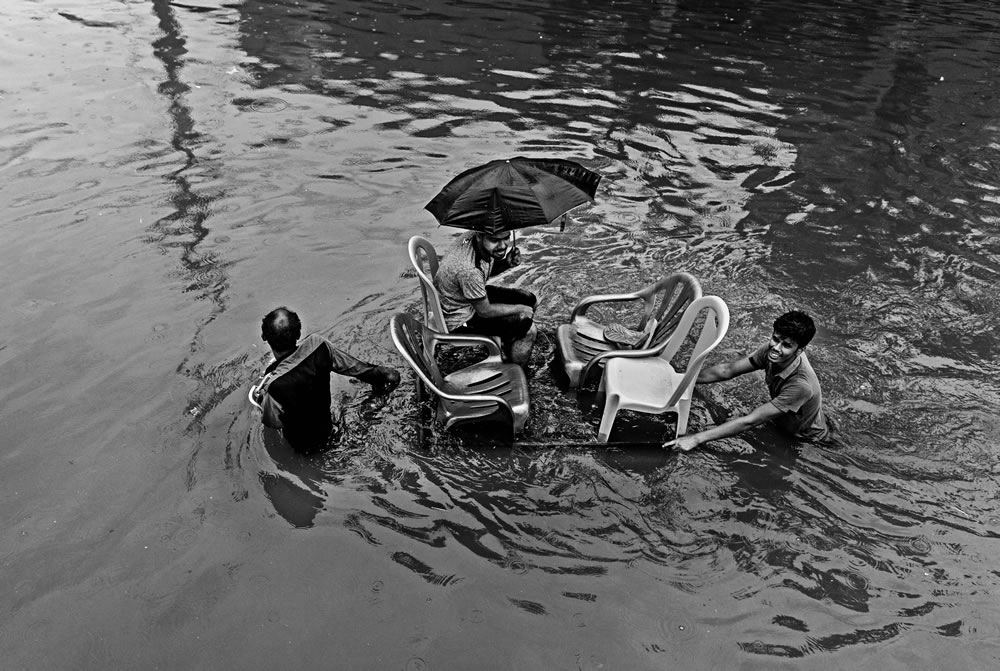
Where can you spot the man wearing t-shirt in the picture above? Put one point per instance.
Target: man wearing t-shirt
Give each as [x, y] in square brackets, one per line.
[470, 305]
[796, 404]
[294, 393]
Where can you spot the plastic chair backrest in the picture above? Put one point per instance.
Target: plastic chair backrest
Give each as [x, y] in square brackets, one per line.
[676, 293]
[409, 336]
[713, 330]
[421, 252]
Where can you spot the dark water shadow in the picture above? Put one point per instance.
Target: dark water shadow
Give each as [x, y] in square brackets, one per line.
[295, 487]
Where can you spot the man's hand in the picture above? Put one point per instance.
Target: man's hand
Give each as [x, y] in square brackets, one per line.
[684, 443]
[390, 380]
[514, 257]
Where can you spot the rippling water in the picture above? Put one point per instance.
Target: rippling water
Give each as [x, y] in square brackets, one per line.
[173, 170]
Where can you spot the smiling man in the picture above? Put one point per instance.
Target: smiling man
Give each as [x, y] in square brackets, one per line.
[796, 404]
[470, 305]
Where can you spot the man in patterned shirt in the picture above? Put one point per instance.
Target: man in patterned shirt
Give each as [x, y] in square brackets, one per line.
[470, 305]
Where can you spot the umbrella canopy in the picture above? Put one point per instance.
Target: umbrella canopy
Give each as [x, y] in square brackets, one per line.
[507, 194]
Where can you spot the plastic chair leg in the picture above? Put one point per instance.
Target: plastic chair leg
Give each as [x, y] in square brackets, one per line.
[608, 420]
[600, 395]
[683, 410]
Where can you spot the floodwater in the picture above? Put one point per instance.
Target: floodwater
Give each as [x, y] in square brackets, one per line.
[173, 170]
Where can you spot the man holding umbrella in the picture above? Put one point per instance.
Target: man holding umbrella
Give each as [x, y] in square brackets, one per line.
[471, 305]
[491, 201]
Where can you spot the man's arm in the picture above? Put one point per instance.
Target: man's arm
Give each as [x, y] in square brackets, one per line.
[725, 371]
[732, 427]
[487, 310]
[382, 378]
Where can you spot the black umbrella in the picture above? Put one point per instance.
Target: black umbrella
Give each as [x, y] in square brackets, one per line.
[507, 194]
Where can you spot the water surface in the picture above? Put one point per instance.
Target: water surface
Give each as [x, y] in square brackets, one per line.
[172, 171]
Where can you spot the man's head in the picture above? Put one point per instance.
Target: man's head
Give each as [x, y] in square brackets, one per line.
[493, 244]
[792, 332]
[281, 329]
[797, 326]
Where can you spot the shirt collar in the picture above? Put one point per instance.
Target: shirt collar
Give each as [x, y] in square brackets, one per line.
[791, 368]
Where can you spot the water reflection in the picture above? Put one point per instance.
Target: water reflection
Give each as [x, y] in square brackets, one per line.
[295, 487]
[185, 229]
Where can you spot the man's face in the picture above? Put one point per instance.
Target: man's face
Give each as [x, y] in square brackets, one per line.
[781, 351]
[496, 245]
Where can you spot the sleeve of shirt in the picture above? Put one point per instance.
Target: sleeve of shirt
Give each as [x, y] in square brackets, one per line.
[472, 284]
[759, 358]
[345, 364]
[792, 396]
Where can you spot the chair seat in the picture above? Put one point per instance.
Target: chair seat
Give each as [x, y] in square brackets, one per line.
[641, 384]
[578, 343]
[488, 377]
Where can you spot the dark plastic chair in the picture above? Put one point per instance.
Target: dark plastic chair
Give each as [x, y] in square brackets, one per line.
[486, 390]
[582, 344]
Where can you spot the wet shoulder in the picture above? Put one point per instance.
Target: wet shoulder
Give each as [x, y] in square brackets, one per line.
[806, 370]
[459, 255]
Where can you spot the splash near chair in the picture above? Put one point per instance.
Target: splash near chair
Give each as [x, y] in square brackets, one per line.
[585, 344]
[651, 384]
[486, 390]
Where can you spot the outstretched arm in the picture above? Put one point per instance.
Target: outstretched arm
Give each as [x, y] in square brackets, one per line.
[725, 371]
[382, 378]
[732, 427]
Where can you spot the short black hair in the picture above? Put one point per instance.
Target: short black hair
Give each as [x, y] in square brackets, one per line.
[281, 328]
[796, 325]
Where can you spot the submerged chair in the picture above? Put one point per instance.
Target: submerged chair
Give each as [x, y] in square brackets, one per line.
[486, 390]
[582, 343]
[651, 384]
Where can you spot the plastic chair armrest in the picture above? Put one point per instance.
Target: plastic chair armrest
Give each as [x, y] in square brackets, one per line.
[468, 340]
[585, 304]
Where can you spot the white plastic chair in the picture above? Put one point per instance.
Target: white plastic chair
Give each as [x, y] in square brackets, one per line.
[582, 344]
[651, 384]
